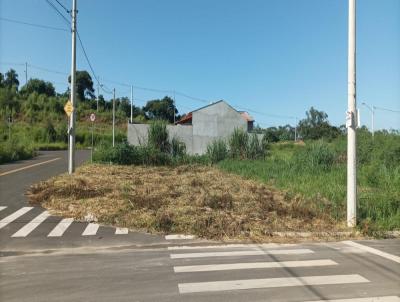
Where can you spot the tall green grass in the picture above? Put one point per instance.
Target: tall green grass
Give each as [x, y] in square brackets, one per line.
[317, 173]
[15, 149]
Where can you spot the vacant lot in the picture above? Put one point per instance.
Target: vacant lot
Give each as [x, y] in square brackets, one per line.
[196, 200]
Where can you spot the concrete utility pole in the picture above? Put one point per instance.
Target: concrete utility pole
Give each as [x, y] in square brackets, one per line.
[372, 118]
[71, 132]
[131, 104]
[351, 121]
[113, 119]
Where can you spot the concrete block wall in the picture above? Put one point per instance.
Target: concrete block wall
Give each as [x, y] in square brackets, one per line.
[137, 134]
[216, 121]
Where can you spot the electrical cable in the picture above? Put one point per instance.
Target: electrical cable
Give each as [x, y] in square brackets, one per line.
[60, 13]
[47, 70]
[102, 86]
[68, 11]
[32, 24]
[386, 109]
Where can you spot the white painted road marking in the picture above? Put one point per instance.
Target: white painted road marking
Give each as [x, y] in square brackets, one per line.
[373, 251]
[91, 229]
[227, 246]
[33, 224]
[252, 265]
[242, 253]
[30, 166]
[268, 283]
[121, 231]
[61, 227]
[2, 208]
[368, 299]
[179, 237]
[14, 216]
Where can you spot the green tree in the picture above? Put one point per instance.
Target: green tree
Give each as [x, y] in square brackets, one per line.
[161, 109]
[124, 105]
[1, 80]
[84, 85]
[39, 86]
[316, 126]
[9, 100]
[11, 79]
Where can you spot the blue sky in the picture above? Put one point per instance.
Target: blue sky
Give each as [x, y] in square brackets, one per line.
[276, 57]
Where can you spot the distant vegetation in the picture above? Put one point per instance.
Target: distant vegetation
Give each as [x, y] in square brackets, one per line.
[32, 116]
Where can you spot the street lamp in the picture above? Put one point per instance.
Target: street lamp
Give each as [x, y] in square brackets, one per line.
[372, 110]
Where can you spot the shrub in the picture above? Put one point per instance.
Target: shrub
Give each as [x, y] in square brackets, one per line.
[257, 149]
[178, 148]
[51, 133]
[15, 149]
[157, 136]
[217, 151]
[238, 143]
[315, 155]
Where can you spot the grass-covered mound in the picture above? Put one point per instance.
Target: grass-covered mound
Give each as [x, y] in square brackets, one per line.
[197, 200]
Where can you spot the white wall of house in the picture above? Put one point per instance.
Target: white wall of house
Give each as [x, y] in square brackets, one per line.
[216, 121]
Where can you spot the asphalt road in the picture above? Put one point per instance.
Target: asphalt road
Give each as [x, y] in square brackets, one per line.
[26, 227]
[88, 262]
[307, 272]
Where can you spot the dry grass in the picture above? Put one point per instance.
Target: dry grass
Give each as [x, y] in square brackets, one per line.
[187, 199]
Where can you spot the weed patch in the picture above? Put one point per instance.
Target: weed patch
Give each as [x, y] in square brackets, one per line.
[186, 199]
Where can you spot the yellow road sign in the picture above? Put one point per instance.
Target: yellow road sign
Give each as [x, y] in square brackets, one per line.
[68, 108]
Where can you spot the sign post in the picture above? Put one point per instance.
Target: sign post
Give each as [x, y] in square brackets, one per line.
[68, 108]
[92, 119]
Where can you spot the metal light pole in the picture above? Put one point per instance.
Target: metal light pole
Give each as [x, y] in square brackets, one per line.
[71, 132]
[372, 116]
[131, 104]
[351, 121]
[113, 119]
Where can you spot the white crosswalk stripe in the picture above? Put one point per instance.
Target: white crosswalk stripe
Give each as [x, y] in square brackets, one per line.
[367, 299]
[55, 231]
[252, 265]
[241, 253]
[225, 246]
[214, 286]
[91, 229]
[61, 227]
[204, 258]
[33, 224]
[5, 221]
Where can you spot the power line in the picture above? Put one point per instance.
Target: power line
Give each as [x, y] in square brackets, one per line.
[108, 91]
[11, 64]
[386, 109]
[266, 114]
[47, 70]
[90, 65]
[60, 13]
[59, 3]
[191, 97]
[32, 24]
